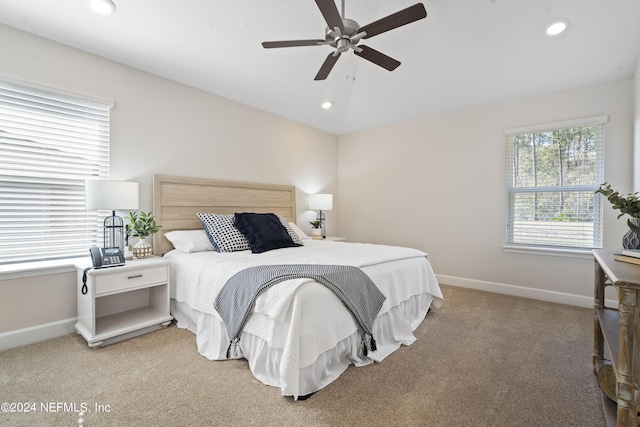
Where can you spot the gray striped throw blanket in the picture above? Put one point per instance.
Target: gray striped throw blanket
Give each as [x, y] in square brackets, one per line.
[355, 289]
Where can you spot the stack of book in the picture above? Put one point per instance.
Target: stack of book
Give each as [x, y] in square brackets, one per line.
[628, 255]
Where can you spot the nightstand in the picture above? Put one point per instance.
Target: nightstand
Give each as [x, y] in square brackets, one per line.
[123, 302]
[335, 239]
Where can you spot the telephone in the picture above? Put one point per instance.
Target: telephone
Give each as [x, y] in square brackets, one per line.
[102, 257]
[106, 257]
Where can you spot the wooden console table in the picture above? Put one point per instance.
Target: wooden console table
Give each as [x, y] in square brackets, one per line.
[619, 331]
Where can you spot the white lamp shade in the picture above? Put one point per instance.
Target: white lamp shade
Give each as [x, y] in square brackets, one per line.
[111, 195]
[321, 202]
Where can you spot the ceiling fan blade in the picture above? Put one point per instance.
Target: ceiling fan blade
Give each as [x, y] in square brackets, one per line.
[293, 43]
[377, 58]
[327, 66]
[398, 19]
[331, 15]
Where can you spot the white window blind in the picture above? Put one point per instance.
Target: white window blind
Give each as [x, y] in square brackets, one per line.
[553, 171]
[50, 143]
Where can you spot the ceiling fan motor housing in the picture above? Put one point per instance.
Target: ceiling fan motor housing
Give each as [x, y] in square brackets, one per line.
[342, 40]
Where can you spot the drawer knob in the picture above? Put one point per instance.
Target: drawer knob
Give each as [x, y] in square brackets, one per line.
[134, 277]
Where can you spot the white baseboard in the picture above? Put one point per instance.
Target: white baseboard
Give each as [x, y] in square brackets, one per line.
[37, 333]
[519, 291]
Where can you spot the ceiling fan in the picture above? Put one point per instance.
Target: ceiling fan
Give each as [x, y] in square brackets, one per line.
[344, 34]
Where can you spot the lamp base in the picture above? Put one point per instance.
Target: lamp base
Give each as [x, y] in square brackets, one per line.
[114, 232]
[320, 217]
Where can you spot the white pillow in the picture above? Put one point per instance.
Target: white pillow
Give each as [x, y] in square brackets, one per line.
[189, 241]
[298, 231]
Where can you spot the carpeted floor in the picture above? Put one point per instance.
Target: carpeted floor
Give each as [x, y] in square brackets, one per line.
[480, 360]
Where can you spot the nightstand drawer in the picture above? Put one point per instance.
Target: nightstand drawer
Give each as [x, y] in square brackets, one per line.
[130, 278]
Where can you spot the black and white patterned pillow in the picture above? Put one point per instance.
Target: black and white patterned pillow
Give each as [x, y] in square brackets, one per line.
[224, 236]
[293, 234]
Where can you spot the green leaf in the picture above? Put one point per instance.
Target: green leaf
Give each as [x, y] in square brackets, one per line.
[633, 227]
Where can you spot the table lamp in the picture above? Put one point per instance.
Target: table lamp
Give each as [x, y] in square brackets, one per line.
[112, 195]
[321, 202]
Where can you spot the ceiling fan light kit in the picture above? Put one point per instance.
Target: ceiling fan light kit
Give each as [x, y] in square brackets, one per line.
[103, 7]
[343, 34]
[557, 27]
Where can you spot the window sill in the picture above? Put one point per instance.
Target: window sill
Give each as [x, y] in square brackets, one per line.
[533, 250]
[39, 268]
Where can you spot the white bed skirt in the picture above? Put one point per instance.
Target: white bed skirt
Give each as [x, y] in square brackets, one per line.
[391, 329]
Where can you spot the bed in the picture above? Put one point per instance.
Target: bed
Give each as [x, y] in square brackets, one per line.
[300, 336]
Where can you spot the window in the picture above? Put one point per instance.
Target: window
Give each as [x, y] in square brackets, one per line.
[50, 143]
[553, 172]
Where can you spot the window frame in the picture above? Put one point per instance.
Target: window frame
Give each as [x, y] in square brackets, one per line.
[540, 249]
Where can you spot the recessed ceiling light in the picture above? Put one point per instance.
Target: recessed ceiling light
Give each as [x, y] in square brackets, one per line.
[326, 105]
[557, 27]
[103, 7]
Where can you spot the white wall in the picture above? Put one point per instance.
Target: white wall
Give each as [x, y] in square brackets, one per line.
[438, 184]
[161, 127]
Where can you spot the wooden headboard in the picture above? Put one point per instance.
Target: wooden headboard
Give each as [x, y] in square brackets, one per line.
[177, 200]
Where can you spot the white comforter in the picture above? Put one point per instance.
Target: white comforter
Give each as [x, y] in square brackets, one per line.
[303, 322]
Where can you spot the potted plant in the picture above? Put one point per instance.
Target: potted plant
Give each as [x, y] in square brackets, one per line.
[627, 205]
[141, 225]
[316, 232]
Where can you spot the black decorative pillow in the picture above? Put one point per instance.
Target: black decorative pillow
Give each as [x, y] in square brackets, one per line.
[224, 236]
[263, 231]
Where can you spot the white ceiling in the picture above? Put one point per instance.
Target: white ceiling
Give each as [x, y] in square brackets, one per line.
[465, 53]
